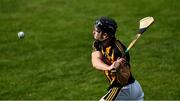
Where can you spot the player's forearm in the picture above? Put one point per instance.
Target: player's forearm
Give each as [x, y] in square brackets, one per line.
[99, 64]
[97, 61]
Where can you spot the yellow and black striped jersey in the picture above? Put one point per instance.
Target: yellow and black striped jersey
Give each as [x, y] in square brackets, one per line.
[110, 54]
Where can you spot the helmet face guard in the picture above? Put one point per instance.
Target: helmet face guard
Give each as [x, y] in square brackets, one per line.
[106, 25]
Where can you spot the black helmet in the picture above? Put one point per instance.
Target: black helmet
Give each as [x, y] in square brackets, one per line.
[106, 25]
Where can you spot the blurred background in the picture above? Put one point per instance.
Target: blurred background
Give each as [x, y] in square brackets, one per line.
[53, 61]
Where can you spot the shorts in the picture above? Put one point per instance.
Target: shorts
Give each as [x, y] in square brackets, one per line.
[130, 92]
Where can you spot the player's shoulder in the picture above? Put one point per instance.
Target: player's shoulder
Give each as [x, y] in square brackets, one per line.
[120, 45]
[122, 48]
[96, 46]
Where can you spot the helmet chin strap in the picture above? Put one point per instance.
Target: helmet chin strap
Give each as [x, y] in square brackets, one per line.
[106, 42]
[102, 40]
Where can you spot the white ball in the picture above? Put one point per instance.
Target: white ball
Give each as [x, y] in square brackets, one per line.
[21, 35]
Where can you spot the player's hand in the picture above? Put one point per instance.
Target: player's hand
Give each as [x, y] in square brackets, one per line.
[114, 65]
[118, 63]
[121, 61]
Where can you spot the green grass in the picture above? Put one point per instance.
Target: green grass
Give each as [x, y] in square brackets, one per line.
[53, 61]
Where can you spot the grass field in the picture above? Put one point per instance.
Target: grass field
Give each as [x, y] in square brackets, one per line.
[53, 61]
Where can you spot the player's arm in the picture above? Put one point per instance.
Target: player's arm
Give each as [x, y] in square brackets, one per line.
[96, 58]
[123, 71]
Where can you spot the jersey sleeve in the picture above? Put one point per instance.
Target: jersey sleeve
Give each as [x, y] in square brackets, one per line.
[127, 54]
[121, 50]
[96, 46]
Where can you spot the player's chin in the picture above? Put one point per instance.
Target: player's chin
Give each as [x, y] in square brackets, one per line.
[96, 38]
